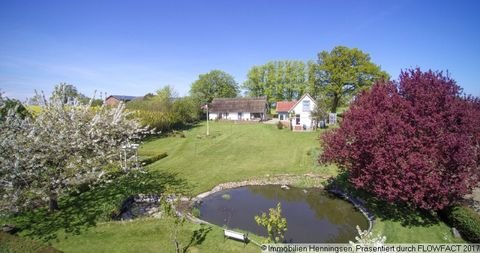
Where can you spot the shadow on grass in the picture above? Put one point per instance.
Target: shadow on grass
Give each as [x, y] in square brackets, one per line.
[198, 237]
[78, 211]
[400, 212]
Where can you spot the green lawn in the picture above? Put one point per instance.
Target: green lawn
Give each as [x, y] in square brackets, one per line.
[235, 152]
[152, 235]
[232, 152]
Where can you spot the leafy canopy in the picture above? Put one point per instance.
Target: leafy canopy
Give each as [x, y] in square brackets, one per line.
[275, 224]
[214, 84]
[281, 80]
[416, 141]
[165, 111]
[345, 72]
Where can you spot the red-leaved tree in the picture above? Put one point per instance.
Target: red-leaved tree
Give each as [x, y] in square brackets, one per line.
[416, 141]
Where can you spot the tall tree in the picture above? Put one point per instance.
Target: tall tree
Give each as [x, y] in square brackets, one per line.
[344, 72]
[215, 83]
[312, 79]
[278, 80]
[254, 85]
[62, 147]
[68, 92]
[416, 142]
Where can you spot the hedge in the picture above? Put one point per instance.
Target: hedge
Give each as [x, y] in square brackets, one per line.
[466, 221]
[153, 159]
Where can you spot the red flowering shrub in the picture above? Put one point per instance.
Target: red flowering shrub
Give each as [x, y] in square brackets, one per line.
[416, 141]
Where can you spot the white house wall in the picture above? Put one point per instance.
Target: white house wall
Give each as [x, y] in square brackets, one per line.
[305, 117]
[230, 116]
[212, 116]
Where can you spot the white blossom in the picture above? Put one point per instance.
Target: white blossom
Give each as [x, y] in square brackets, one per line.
[366, 237]
[61, 147]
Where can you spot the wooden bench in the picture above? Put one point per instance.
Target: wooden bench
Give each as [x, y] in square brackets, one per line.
[235, 235]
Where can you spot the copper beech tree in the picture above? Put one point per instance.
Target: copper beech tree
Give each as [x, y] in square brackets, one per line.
[415, 141]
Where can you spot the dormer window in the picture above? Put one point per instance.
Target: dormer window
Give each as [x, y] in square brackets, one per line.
[306, 105]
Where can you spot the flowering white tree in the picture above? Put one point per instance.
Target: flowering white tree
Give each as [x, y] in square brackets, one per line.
[57, 150]
[366, 238]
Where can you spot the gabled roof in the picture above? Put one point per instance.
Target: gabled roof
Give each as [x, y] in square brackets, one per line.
[285, 106]
[254, 105]
[302, 98]
[123, 97]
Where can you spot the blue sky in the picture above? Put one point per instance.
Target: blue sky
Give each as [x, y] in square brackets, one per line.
[135, 47]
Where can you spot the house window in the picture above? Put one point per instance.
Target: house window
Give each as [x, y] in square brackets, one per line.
[306, 105]
[297, 119]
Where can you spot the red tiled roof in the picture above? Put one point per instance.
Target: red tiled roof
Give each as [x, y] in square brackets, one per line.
[285, 106]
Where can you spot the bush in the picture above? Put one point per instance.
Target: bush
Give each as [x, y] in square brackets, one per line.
[279, 125]
[164, 113]
[13, 243]
[196, 212]
[153, 159]
[466, 220]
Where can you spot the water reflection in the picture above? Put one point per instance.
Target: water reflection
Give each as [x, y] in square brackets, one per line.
[312, 214]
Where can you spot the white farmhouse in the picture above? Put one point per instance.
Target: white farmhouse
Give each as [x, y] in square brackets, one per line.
[298, 113]
[238, 108]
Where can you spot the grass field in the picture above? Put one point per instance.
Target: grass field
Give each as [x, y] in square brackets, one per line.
[232, 152]
[236, 152]
[152, 235]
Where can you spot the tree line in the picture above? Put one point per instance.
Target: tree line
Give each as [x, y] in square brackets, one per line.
[333, 80]
[336, 77]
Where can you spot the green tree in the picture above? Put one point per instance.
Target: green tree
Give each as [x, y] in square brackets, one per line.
[165, 111]
[344, 72]
[312, 79]
[68, 93]
[8, 105]
[320, 112]
[168, 202]
[275, 224]
[215, 83]
[278, 80]
[166, 94]
[255, 85]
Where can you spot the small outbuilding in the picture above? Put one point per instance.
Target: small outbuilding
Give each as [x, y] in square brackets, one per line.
[254, 108]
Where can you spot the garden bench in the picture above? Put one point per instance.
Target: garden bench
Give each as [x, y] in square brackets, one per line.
[235, 235]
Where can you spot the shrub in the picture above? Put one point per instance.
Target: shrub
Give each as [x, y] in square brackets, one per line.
[279, 125]
[466, 220]
[164, 113]
[196, 212]
[13, 243]
[153, 159]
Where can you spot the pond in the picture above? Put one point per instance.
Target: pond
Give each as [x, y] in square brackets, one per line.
[313, 215]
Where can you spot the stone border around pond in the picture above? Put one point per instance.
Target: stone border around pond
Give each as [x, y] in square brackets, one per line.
[358, 203]
[273, 180]
[286, 180]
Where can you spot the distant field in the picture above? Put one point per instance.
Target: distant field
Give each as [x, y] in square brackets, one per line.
[236, 152]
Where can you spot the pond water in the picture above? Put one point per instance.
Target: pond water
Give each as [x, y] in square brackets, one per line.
[313, 215]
